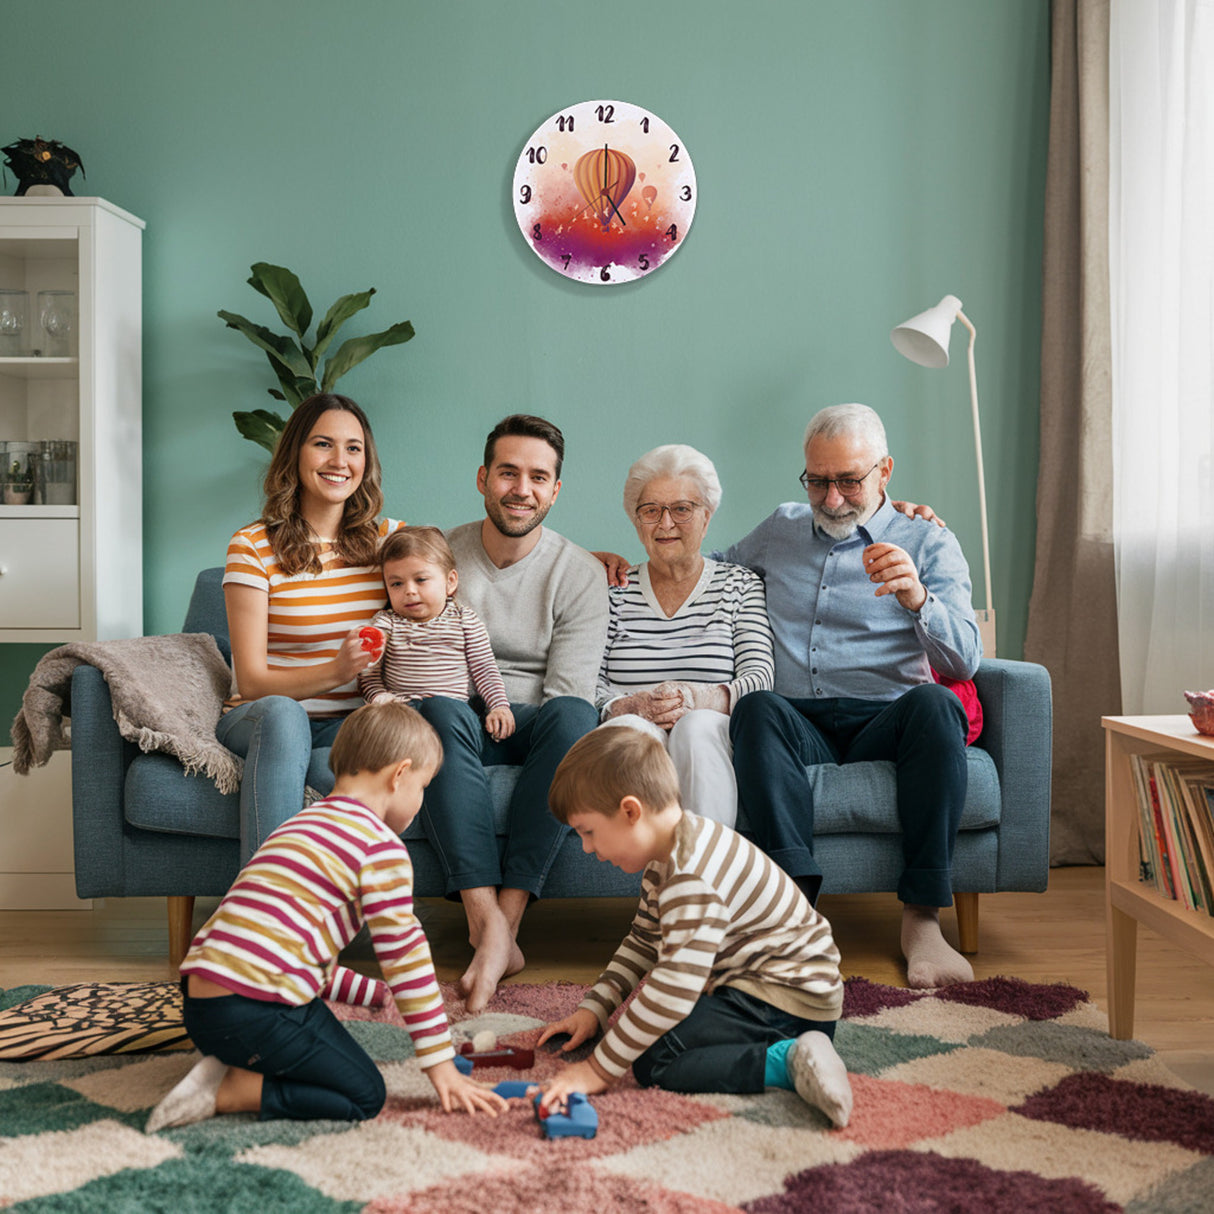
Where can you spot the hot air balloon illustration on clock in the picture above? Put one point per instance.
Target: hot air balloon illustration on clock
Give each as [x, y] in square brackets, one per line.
[604, 192]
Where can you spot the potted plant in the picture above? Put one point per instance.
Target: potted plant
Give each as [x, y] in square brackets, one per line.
[294, 361]
[18, 484]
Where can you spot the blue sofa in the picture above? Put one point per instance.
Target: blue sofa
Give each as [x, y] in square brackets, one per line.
[142, 827]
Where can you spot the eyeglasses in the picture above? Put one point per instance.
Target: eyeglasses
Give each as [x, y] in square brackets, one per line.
[847, 485]
[681, 513]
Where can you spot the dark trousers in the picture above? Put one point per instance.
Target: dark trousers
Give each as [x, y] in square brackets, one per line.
[721, 1045]
[313, 1068]
[457, 813]
[922, 732]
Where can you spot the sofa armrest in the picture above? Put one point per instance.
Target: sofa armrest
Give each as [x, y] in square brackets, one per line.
[1017, 732]
[100, 757]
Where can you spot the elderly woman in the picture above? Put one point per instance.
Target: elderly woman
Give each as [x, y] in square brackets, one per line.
[687, 636]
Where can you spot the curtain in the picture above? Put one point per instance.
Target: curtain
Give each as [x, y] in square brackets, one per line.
[1161, 250]
[1072, 625]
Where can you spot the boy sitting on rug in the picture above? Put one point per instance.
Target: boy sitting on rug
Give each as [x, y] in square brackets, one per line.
[255, 973]
[743, 988]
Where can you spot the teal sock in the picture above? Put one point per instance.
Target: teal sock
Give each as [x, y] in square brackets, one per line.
[776, 1073]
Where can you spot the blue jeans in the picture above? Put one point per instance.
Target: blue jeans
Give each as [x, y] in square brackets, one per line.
[312, 1067]
[283, 749]
[923, 731]
[457, 812]
[721, 1045]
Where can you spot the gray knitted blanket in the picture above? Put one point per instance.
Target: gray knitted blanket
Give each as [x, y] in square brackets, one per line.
[168, 692]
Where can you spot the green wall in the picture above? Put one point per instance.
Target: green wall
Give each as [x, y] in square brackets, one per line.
[855, 162]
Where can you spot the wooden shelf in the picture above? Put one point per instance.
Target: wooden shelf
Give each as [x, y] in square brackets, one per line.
[1129, 901]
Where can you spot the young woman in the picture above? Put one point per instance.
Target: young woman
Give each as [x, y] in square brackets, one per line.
[298, 585]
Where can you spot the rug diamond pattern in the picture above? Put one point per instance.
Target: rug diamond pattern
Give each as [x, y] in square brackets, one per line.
[993, 1096]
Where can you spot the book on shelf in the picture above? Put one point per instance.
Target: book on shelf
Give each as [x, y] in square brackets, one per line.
[1175, 797]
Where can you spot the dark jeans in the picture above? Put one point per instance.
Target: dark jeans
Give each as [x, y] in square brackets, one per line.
[922, 732]
[313, 1068]
[457, 813]
[721, 1045]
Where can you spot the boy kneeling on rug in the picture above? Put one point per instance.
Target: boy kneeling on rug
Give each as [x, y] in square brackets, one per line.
[743, 989]
[255, 974]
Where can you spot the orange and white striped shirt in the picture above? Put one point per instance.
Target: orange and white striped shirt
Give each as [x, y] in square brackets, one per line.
[310, 613]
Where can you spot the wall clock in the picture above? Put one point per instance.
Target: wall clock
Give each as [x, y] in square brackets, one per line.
[604, 192]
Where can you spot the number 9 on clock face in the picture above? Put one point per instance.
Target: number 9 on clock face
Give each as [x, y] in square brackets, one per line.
[604, 192]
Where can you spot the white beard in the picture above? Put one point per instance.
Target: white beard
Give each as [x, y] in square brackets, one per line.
[837, 528]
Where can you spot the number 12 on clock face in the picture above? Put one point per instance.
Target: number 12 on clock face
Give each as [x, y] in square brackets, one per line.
[604, 192]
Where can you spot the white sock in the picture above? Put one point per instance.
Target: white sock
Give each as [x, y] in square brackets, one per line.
[193, 1099]
[930, 960]
[819, 1076]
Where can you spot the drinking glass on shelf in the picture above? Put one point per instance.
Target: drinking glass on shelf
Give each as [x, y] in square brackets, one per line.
[58, 472]
[14, 314]
[57, 318]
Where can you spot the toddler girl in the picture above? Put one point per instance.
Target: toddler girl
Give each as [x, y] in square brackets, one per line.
[432, 644]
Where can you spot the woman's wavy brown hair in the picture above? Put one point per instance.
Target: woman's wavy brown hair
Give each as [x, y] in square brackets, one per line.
[292, 540]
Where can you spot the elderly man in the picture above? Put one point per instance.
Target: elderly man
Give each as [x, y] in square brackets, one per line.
[864, 603]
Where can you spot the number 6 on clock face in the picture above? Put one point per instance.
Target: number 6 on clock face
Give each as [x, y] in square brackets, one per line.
[604, 192]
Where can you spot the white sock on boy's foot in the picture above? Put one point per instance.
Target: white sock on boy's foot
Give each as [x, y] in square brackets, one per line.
[193, 1099]
[819, 1076]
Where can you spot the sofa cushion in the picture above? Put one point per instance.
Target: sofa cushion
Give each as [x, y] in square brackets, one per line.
[861, 798]
[857, 798]
[158, 795]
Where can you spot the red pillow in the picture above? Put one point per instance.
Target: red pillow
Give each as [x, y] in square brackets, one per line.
[967, 693]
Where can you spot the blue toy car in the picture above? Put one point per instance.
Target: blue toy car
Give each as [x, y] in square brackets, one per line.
[579, 1120]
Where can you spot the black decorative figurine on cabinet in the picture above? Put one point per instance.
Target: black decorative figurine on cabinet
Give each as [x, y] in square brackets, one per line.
[44, 163]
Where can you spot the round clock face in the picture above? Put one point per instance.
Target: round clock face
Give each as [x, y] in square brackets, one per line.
[604, 192]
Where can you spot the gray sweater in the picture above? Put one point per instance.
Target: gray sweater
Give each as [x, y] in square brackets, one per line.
[546, 614]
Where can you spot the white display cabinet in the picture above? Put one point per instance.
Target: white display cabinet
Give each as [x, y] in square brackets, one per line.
[71, 558]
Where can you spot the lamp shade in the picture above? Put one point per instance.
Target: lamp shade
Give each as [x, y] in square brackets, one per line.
[924, 338]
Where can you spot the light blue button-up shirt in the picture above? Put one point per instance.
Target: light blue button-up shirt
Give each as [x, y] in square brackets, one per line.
[833, 635]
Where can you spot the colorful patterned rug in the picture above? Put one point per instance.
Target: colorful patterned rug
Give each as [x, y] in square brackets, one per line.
[992, 1096]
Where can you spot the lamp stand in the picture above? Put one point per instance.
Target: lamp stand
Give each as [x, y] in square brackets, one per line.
[986, 619]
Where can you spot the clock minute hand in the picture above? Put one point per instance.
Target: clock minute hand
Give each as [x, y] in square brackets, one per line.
[605, 194]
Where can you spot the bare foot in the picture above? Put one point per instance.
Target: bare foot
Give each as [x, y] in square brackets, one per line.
[930, 960]
[497, 956]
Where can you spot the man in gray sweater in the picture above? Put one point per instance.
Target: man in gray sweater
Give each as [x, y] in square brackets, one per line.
[544, 602]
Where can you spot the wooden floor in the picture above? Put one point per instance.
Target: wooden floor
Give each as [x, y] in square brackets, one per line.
[1057, 936]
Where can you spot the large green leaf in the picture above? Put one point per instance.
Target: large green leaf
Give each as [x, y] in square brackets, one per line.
[280, 348]
[261, 426]
[285, 292]
[351, 353]
[295, 390]
[337, 316]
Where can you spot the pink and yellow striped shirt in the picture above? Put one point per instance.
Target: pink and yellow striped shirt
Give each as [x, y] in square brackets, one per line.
[304, 895]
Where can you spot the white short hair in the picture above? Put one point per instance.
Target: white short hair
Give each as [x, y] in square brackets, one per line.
[673, 459]
[858, 421]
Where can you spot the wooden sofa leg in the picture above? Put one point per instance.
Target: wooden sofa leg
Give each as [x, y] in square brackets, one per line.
[967, 921]
[181, 919]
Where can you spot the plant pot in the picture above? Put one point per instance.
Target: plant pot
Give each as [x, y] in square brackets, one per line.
[17, 497]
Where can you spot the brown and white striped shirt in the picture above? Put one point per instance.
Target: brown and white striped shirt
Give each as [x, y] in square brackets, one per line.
[716, 912]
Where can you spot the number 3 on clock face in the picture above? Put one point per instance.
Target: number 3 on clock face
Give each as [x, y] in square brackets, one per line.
[604, 192]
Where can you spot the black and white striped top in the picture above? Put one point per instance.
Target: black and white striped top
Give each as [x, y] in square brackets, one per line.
[719, 635]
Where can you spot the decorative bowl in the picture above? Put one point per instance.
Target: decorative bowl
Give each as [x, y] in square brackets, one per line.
[1201, 710]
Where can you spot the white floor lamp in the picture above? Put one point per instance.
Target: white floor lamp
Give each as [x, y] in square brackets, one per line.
[924, 340]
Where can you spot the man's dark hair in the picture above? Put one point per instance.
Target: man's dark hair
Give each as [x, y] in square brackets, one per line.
[524, 425]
